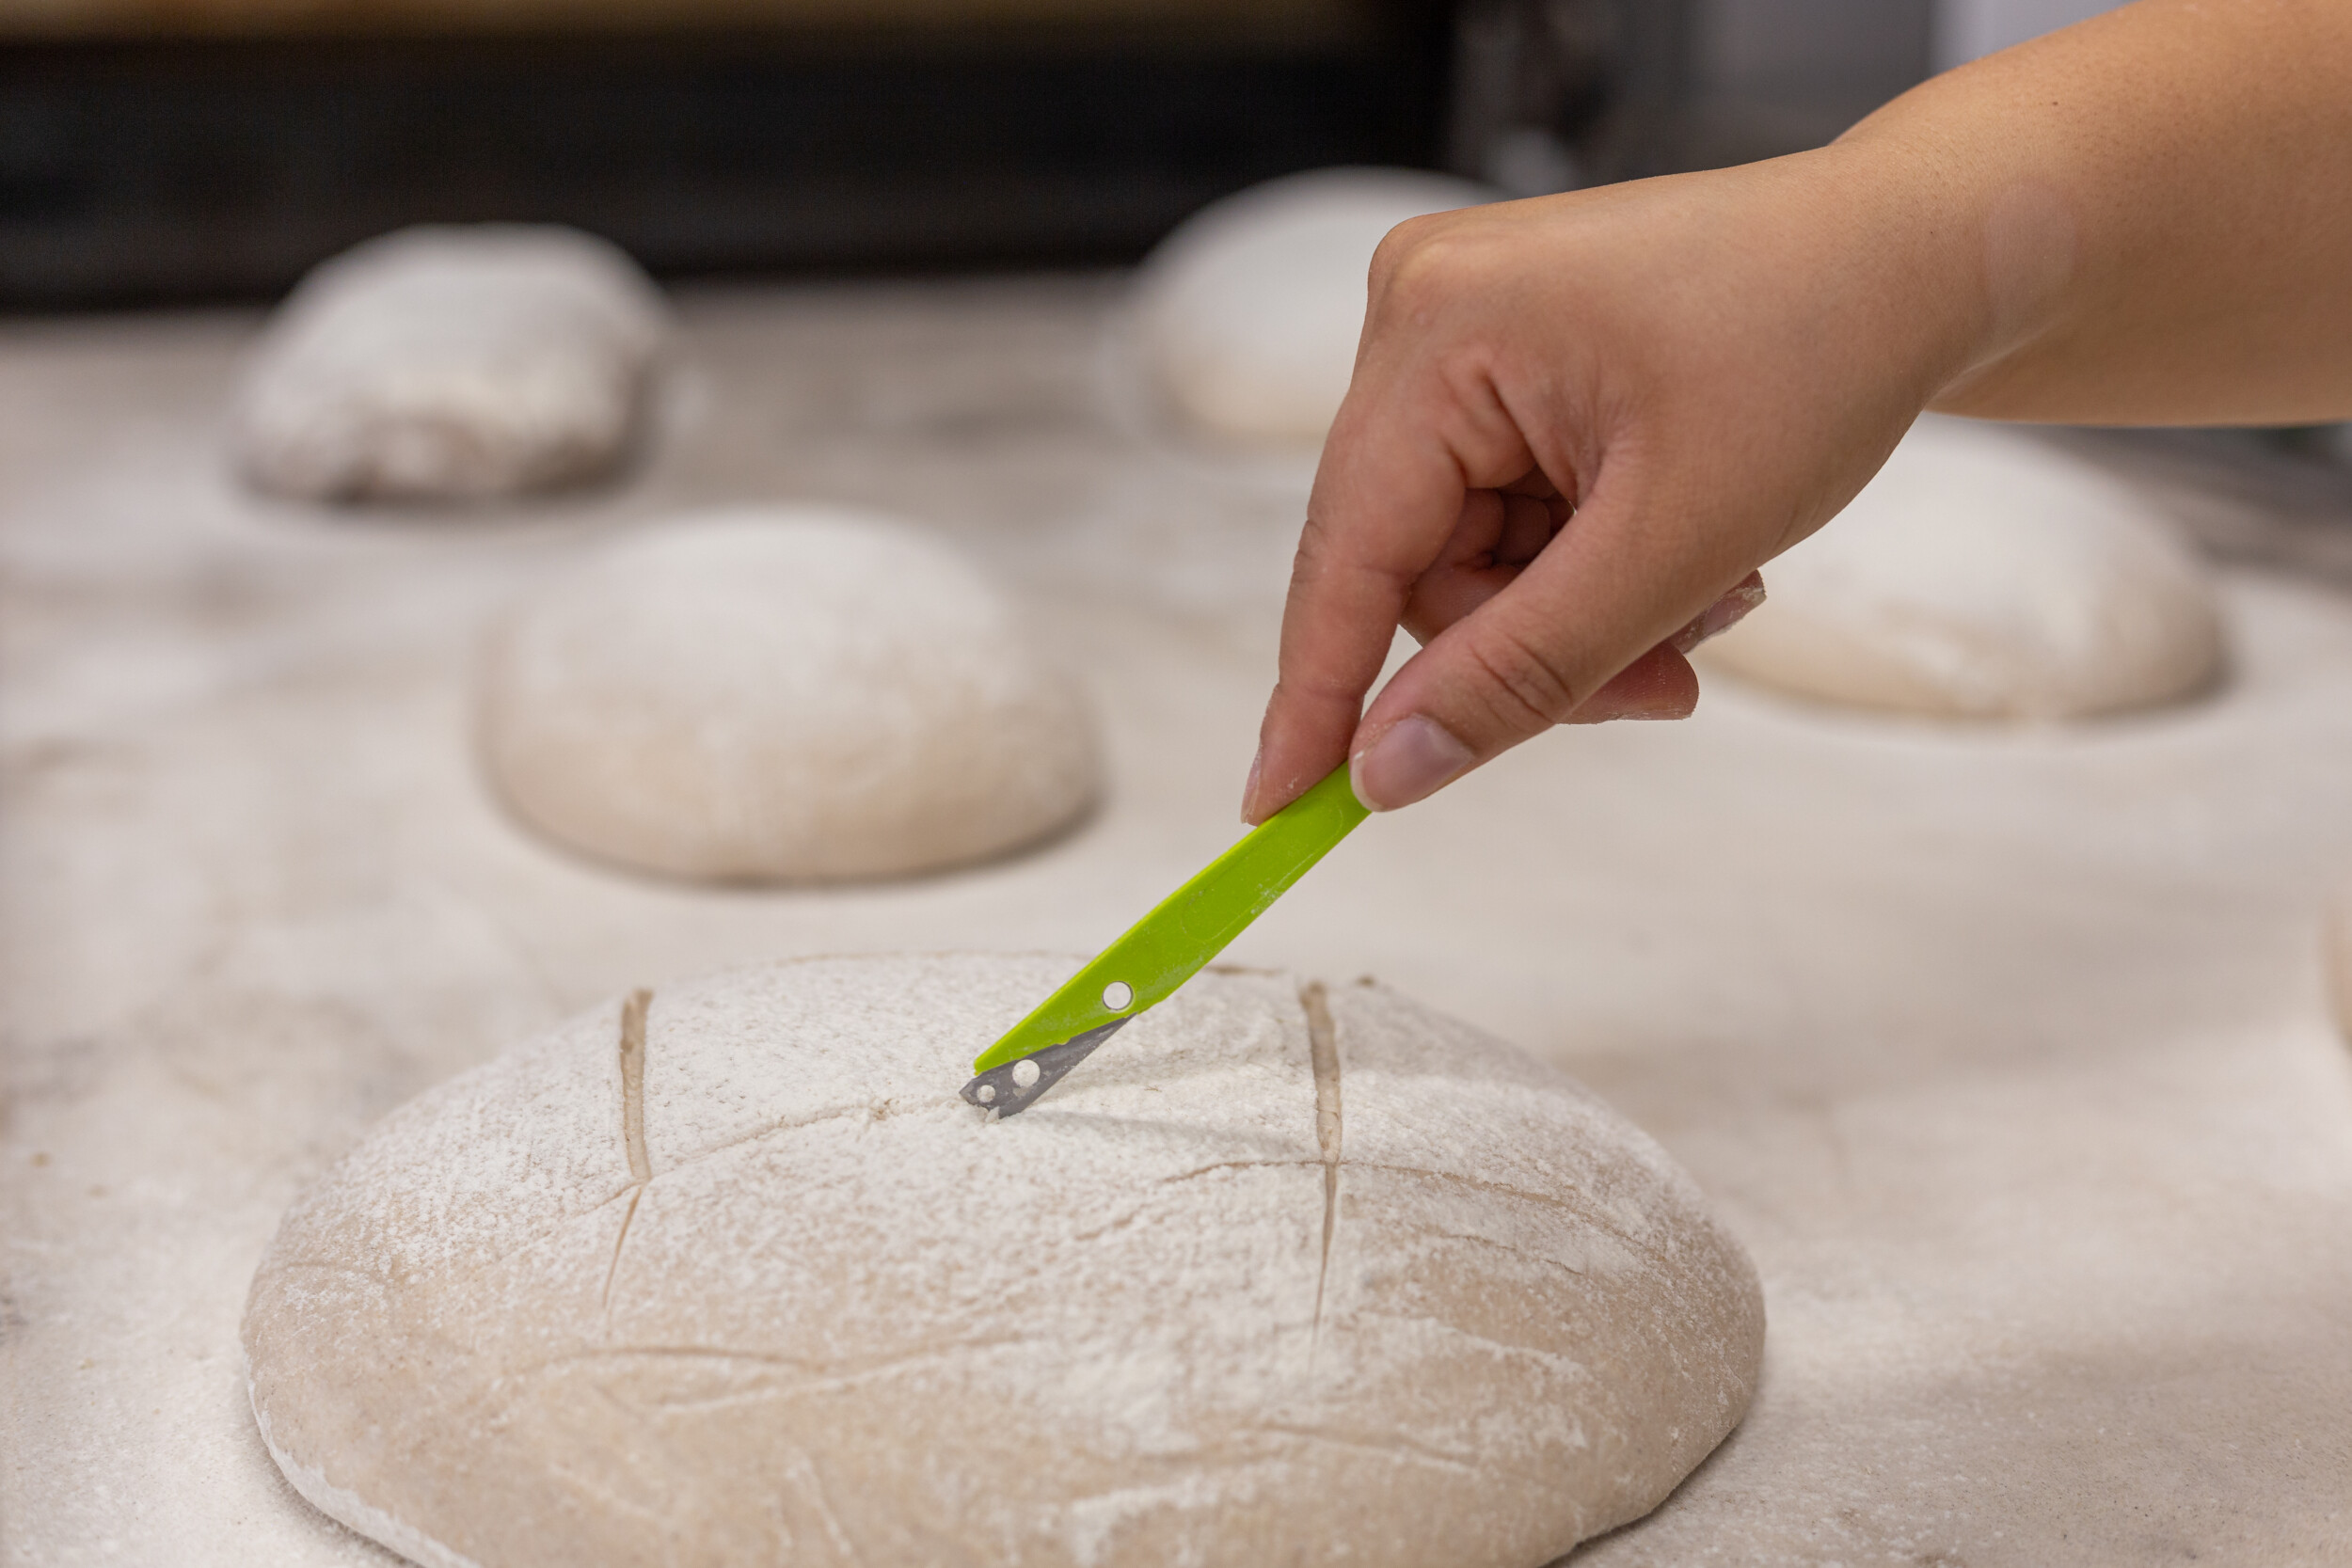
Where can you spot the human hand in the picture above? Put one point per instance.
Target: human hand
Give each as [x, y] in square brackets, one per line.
[1578, 425]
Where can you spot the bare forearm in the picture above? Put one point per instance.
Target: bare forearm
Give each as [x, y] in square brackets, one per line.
[1578, 420]
[2148, 218]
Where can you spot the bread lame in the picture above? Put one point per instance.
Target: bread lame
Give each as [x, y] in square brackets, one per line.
[1163, 949]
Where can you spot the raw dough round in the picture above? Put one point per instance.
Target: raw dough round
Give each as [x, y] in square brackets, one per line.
[782, 694]
[1246, 315]
[736, 1279]
[1983, 575]
[450, 363]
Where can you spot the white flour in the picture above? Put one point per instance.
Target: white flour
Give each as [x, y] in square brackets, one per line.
[793, 1299]
[2005, 1051]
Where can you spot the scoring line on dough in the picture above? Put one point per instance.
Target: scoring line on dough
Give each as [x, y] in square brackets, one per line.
[633, 1012]
[1322, 1055]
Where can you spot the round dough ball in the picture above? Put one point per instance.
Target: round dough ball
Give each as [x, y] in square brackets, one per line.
[734, 1277]
[450, 363]
[1246, 315]
[1984, 576]
[780, 695]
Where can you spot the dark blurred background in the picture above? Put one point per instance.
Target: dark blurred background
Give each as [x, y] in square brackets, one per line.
[182, 150]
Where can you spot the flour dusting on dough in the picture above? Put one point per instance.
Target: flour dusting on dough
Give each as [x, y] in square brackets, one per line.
[782, 694]
[1489, 1319]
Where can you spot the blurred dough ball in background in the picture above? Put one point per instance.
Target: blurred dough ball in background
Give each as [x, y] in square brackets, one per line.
[1984, 574]
[1247, 316]
[782, 694]
[442, 363]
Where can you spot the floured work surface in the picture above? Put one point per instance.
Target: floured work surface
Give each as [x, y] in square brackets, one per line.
[2003, 1051]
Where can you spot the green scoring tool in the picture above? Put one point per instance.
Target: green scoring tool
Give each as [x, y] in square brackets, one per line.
[1165, 948]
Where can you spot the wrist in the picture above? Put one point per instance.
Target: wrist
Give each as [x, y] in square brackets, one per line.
[1990, 244]
[1963, 271]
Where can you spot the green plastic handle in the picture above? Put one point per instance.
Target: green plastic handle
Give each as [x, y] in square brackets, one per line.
[1192, 925]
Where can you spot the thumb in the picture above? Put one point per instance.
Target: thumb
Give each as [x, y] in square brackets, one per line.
[1594, 629]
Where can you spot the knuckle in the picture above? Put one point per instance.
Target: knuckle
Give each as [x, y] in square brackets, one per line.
[1315, 695]
[1316, 542]
[1347, 554]
[1524, 684]
[1396, 246]
[1420, 261]
[1318, 555]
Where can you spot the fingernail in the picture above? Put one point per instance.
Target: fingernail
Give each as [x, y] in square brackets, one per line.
[1732, 609]
[1411, 761]
[1249, 790]
[1718, 618]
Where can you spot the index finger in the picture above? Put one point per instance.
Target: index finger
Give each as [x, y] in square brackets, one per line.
[1394, 475]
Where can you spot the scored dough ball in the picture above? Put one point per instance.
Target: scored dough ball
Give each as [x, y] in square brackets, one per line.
[734, 1277]
[1246, 315]
[779, 695]
[1984, 576]
[450, 362]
